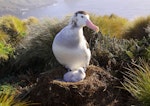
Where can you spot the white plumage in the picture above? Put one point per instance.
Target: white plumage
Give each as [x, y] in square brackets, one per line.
[74, 76]
[70, 46]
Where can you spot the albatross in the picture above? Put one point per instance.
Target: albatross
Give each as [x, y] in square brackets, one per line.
[71, 48]
[75, 76]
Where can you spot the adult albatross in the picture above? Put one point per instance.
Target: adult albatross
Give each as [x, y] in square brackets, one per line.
[70, 46]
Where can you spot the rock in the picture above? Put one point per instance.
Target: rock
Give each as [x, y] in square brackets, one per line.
[97, 89]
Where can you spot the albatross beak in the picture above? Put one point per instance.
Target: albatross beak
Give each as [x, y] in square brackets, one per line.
[92, 26]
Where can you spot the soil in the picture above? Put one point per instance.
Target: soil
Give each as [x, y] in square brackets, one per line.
[99, 88]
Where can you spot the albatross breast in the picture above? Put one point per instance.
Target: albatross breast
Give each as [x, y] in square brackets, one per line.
[69, 50]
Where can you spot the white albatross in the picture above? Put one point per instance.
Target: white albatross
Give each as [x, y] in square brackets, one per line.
[70, 46]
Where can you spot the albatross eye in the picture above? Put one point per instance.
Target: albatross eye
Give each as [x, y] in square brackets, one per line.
[82, 17]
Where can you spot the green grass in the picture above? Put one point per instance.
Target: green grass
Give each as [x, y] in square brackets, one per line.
[137, 81]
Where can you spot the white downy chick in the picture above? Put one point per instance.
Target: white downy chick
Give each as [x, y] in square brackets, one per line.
[75, 76]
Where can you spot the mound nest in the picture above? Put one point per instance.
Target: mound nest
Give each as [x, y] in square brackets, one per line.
[97, 89]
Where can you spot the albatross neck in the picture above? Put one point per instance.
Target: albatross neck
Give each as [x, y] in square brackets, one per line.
[79, 33]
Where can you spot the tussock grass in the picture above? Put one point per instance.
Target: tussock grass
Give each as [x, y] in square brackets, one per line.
[8, 97]
[35, 51]
[136, 28]
[12, 30]
[112, 25]
[3, 37]
[30, 21]
[12, 26]
[137, 81]
[5, 51]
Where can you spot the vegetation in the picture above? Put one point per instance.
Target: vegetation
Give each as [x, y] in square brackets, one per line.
[8, 96]
[136, 28]
[5, 51]
[12, 26]
[114, 54]
[36, 47]
[112, 25]
[12, 30]
[30, 21]
[25, 49]
[137, 81]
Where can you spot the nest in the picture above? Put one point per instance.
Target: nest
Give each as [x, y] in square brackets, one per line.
[95, 90]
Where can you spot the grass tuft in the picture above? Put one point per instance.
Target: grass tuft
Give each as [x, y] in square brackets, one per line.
[8, 97]
[136, 28]
[137, 81]
[5, 51]
[12, 26]
[35, 51]
[112, 25]
[30, 21]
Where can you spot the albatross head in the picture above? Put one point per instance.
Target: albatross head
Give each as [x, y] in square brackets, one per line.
[81, 19]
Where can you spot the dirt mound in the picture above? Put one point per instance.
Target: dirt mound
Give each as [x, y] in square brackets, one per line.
[98, 89]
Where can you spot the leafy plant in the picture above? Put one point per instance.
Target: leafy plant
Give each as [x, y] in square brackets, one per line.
[137, 81]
